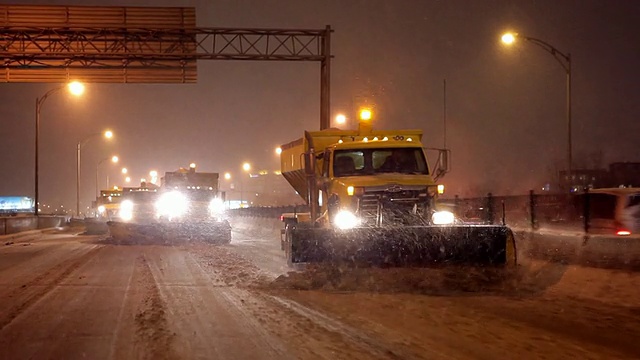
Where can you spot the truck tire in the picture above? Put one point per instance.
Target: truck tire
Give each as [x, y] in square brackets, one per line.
[287, 246]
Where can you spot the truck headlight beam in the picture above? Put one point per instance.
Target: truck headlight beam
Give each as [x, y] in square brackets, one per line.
[442, 218]
[172, 205]
[346, 220]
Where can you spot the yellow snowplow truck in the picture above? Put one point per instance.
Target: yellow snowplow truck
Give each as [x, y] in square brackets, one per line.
[372, 200]
[187, 206]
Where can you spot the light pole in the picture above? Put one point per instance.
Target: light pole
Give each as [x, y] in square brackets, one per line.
[227, 176]
[74, 88]
[107, 134]
[246, 167]
[565, 61]
[114, 159]
[154, 176]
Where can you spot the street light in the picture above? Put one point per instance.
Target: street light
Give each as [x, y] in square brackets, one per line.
[365, 114]
[154, 176]
[124, 170]
[565, 61]
[341, 119]
[127, 179]
[108, 134]
[114, 159]
[75, 88]
[278, 150]
[246, 167]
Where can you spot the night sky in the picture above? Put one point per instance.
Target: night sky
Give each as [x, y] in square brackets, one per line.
[505, 106]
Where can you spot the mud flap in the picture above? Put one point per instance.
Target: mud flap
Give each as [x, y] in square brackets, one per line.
[406, 246]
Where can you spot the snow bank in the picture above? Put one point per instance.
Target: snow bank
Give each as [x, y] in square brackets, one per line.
[434, 281]
[259, 227]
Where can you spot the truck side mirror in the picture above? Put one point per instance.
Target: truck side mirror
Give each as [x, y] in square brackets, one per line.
[309, 163]
[443, 164]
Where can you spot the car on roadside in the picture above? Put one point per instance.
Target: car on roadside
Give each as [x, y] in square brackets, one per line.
[614, 211]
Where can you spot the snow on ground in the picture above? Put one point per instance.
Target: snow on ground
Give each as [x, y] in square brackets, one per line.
[66, 296]
[547, 307]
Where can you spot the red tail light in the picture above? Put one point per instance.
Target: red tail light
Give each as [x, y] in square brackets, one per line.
[623, 233]
[281, 217]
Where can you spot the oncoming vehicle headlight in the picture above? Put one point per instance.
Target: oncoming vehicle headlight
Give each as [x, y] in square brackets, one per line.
[126, 210]
[216, 206]
[172, 205]
[442, 218]
[346, 220]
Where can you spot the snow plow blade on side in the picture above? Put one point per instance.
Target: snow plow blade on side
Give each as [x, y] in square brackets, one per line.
[418, 246]
[169, 233]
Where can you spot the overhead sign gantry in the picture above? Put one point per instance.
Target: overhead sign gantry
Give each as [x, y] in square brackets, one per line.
[141, 45]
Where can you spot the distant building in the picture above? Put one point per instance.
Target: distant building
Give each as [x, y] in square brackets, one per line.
[584, 179]
[624, 174]
[619, 174]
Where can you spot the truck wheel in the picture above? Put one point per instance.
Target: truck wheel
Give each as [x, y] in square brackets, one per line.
[282, 235]
[287, 247]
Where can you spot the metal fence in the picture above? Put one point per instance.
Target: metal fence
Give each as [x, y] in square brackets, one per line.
[523, 211]
[531, 210]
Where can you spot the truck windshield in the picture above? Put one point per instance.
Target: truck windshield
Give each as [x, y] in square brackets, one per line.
[375, 161]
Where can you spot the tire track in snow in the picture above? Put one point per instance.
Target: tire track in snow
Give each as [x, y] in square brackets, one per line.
[152, 331]
[35, 290]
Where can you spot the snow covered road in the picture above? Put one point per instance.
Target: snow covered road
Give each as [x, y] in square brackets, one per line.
[72, 296]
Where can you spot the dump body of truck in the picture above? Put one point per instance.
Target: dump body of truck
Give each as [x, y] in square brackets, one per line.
[372, 196]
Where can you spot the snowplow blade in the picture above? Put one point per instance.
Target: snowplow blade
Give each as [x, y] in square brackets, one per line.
[169, 233]
[406, 246]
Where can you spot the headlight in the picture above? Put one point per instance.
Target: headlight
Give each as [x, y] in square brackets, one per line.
[442, 218]
[126, 210]
[216, 206]
[346, 220]
[101, 209]
[172, 205]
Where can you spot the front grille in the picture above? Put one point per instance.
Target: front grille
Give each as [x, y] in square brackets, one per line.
[398, 207]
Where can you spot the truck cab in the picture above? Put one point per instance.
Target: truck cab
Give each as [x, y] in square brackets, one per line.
[365, 177]
[379, 182]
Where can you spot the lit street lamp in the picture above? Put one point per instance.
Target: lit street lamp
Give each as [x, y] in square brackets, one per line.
[114, 159]
[125, 171]
[565, 61]
[365, 114]
[154, 176]
[246, 167]
[341, 119]
[108, 135]
[75, 88]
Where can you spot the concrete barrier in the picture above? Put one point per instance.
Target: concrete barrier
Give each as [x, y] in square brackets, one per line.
[51, 221]
[16, 224]
[610, 252]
